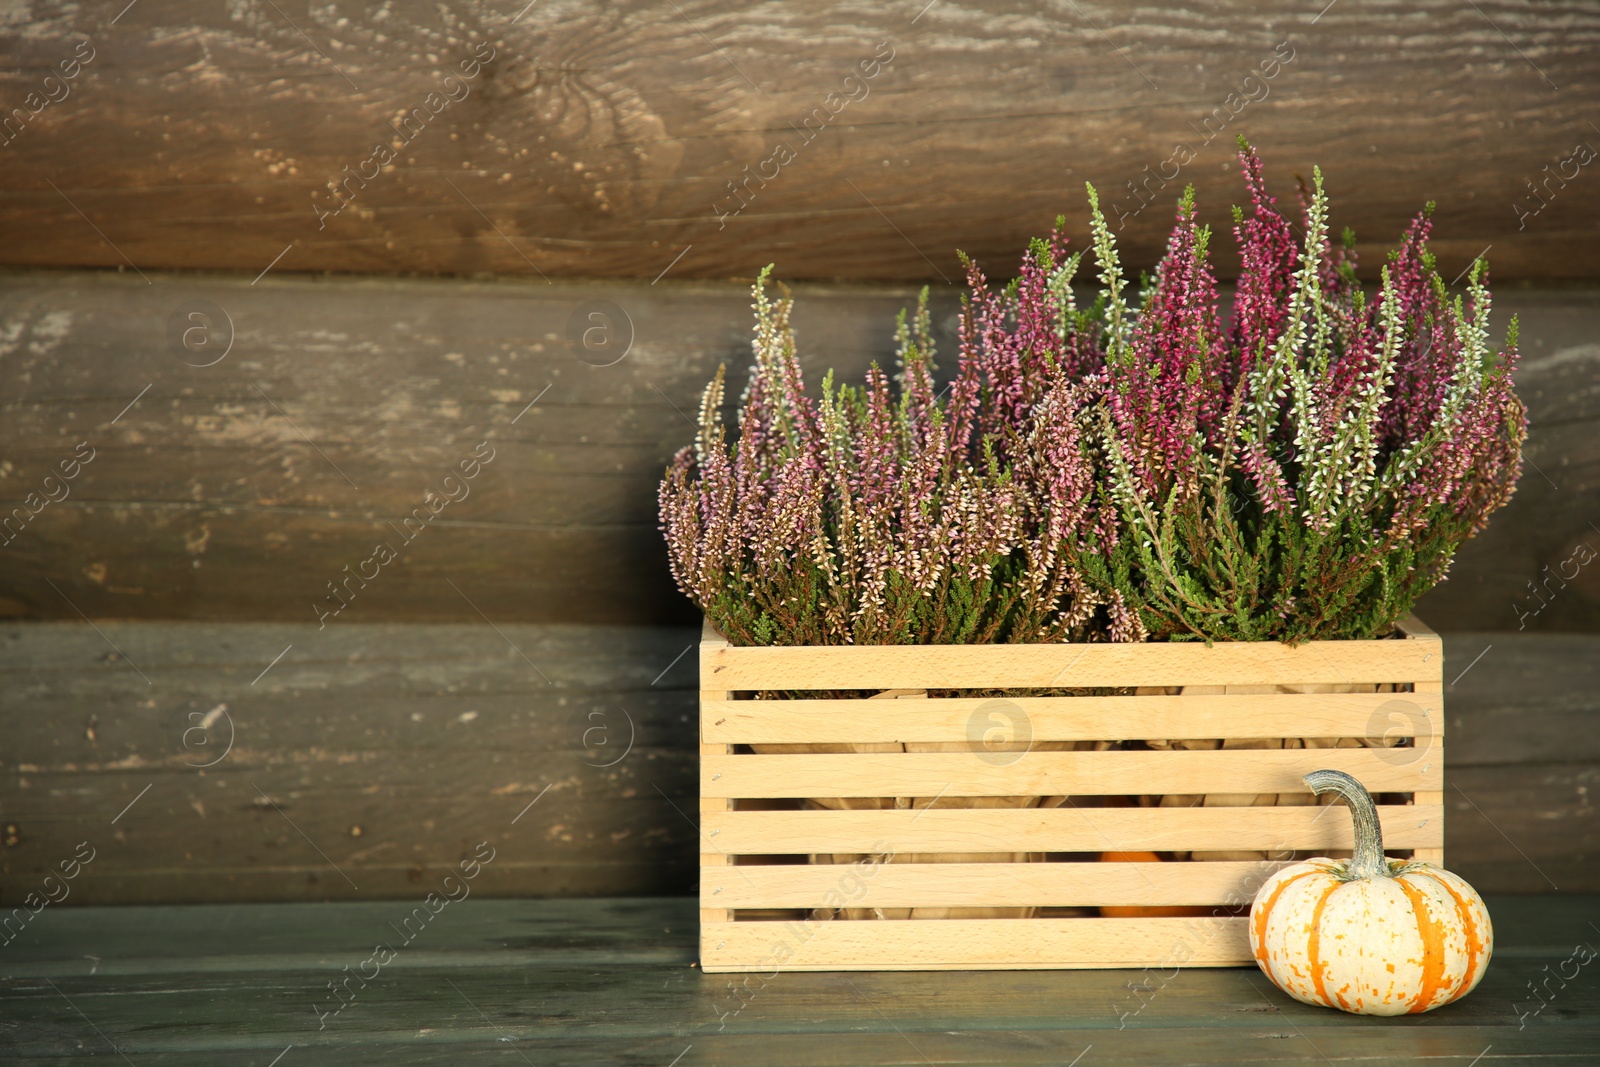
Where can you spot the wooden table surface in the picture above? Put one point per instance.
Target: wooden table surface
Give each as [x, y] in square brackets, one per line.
[614, 981]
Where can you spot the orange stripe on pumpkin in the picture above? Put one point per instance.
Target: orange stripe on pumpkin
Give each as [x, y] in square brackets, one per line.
[1314, 945]
[1264, 912]
[1469, 929]
[1432, 935]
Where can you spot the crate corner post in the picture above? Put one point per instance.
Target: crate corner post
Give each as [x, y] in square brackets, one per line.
[1429, 690]
[713, 861]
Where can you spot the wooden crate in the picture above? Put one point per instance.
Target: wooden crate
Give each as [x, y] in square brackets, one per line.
[753, 858]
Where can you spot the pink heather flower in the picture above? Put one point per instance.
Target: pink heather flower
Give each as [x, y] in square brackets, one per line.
[831, 520]
[1268, 259]
[1166, 394]
[1271, 485]
[1421, 371]
[1360, 434]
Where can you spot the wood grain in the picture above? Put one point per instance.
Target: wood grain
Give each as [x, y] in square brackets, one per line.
[1531, 828]
[712, 857]
[223, 492]
[1521, 698]
[1058, 829]
[803, 667]
[612, 982]
[363, 726]
[946, 822]
[218, 495]
[1433, 764]
[992, 884]
[606, 142]
[964, 774]
[366, 762]
[1076, 718]
[979, 944]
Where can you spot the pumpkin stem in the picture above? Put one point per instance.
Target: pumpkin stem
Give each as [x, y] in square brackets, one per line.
[1368, 860]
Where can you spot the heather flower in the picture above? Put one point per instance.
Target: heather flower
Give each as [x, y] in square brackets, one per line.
[1314, 474]
[864, 516]
[1133, 470]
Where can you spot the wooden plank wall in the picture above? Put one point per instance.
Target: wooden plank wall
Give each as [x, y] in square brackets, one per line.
[240, 490]
[633, 161]
[391, 750]
[865, 141]
[370, 758]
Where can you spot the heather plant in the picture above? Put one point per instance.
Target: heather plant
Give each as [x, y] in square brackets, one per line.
[1130, 470]
[1309, 472]
[885, 514]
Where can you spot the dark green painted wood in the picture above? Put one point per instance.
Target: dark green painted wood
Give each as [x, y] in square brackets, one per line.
[612, 981]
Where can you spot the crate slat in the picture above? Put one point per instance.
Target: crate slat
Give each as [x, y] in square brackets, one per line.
[1061, 829]
[1043, 666]
[1002, 774]
[1088, 718]
[974, 944]
[1050, 885]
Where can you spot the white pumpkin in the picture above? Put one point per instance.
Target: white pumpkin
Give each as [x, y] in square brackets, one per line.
[1369, 935]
